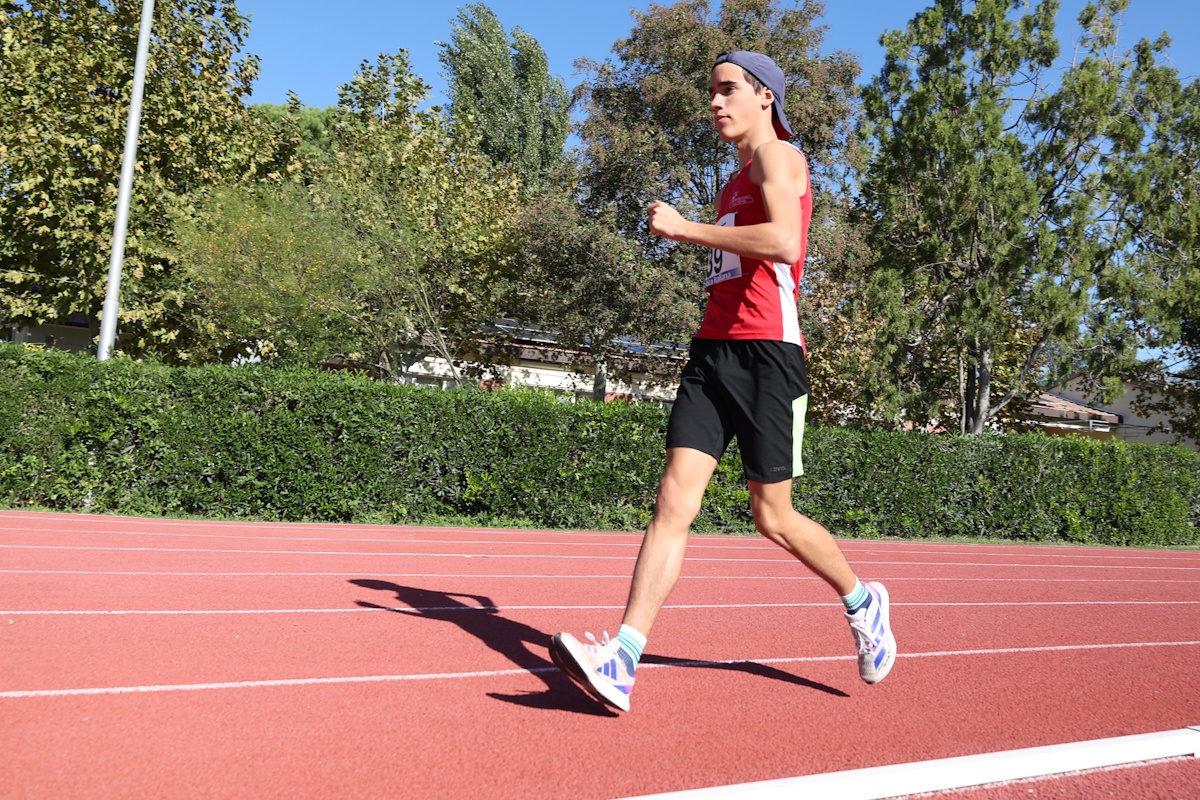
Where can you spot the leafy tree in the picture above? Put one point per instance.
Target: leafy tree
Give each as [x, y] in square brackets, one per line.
[313, 126]
[393, 245]
[1001, 231]
[648, 131]
[1163, 185]
[839, 328]
[434, 214]
[648, 134]
[65, 81]
[272, 278]
[504, 89]
[586, 281]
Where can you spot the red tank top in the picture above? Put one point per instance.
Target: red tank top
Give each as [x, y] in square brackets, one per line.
[752, 298]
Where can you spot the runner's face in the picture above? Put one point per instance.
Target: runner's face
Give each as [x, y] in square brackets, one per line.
[735, 106]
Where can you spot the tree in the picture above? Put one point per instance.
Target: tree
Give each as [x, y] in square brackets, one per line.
[839, 328]
[648, 134]
[434, 213]
[586, 281]
[1163, 184]
[504, 89]
[273, 278]
[65, 81]
[1000, 231]
[389, 244]
[313, 126]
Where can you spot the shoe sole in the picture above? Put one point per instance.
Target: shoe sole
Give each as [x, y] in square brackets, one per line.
[886, 613]
[564, 655]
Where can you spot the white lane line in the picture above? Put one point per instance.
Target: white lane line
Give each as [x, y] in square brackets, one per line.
[498, 609]
[325, 526]
[941, 774]
[192, 687]
[390, 540]
[405, 609]
[1049, 778]
[781, 560]
[559, 576]
[1075, 551]
[748, 541]
[696, 542]
[300, 526]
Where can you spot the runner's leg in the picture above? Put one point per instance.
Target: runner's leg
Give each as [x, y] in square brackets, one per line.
[867, 605]
[660, 559]
[807, 540]
[607, 668]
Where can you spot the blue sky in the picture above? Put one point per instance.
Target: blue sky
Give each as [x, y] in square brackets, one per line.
[312, 47]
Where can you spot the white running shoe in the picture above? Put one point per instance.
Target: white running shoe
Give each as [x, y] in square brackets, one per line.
[872, 631]
[602, 668]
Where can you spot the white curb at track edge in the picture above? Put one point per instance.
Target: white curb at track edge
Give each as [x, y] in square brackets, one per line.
[877, 783]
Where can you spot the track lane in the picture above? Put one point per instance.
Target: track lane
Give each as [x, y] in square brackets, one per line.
[522, 731]
[354, 562]
[107, 530]
[199, 586]
[158, 649]
[257, 584]
[539, 737]
[1174, 779]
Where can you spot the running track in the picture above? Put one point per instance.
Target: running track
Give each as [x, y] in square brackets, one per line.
[166, 658]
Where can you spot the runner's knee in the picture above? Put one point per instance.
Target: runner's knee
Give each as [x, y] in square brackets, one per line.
[773, 518]
[676, 505]
[770, 525]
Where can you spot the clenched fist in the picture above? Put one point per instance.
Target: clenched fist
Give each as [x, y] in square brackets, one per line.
[665, 220]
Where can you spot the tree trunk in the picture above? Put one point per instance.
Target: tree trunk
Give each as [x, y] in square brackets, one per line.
[600, 381]
[94, 330]
[970, 406]
[386, 363]
[983, 399]
[962, 392]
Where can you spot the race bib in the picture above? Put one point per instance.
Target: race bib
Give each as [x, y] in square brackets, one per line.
[723, 266]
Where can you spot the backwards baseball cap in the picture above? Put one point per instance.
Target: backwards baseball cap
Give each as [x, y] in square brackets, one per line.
[770, 75]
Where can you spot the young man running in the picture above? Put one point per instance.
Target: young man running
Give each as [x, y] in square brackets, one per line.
[745, 377]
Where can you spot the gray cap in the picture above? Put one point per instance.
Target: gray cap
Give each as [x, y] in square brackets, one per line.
[770, 75]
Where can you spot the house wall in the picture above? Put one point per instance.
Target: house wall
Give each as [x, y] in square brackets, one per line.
[63, 337]
[1103, 432]
[541, 375]
[429, 372]
[1133, 427]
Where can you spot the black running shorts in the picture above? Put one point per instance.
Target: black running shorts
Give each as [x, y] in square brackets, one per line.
[755, 390]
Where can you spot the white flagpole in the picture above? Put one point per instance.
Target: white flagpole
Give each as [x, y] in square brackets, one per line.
[112, 298]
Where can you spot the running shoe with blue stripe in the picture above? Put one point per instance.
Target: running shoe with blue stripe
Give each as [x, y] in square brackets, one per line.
[871, 626]
[603, 669]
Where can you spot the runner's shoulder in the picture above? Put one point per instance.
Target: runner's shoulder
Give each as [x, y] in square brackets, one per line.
[778, 154]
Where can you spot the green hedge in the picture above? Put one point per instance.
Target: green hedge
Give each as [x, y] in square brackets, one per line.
[288, 443]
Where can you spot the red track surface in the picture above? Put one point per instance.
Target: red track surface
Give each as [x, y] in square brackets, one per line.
[364, 667]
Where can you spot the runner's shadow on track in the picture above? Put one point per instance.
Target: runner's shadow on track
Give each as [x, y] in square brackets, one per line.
[507, 637]
[512, 639]
[748, 667]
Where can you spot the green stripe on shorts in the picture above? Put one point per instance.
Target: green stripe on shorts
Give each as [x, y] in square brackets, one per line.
[799, 409]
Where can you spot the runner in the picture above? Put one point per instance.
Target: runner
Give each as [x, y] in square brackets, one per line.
[745, 377]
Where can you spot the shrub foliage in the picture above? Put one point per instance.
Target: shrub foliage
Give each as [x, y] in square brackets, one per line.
[289, 443]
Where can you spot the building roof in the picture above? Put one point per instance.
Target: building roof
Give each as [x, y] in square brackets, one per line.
[1051, 406]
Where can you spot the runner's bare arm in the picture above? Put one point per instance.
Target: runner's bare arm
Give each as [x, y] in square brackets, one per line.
[779, 171]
